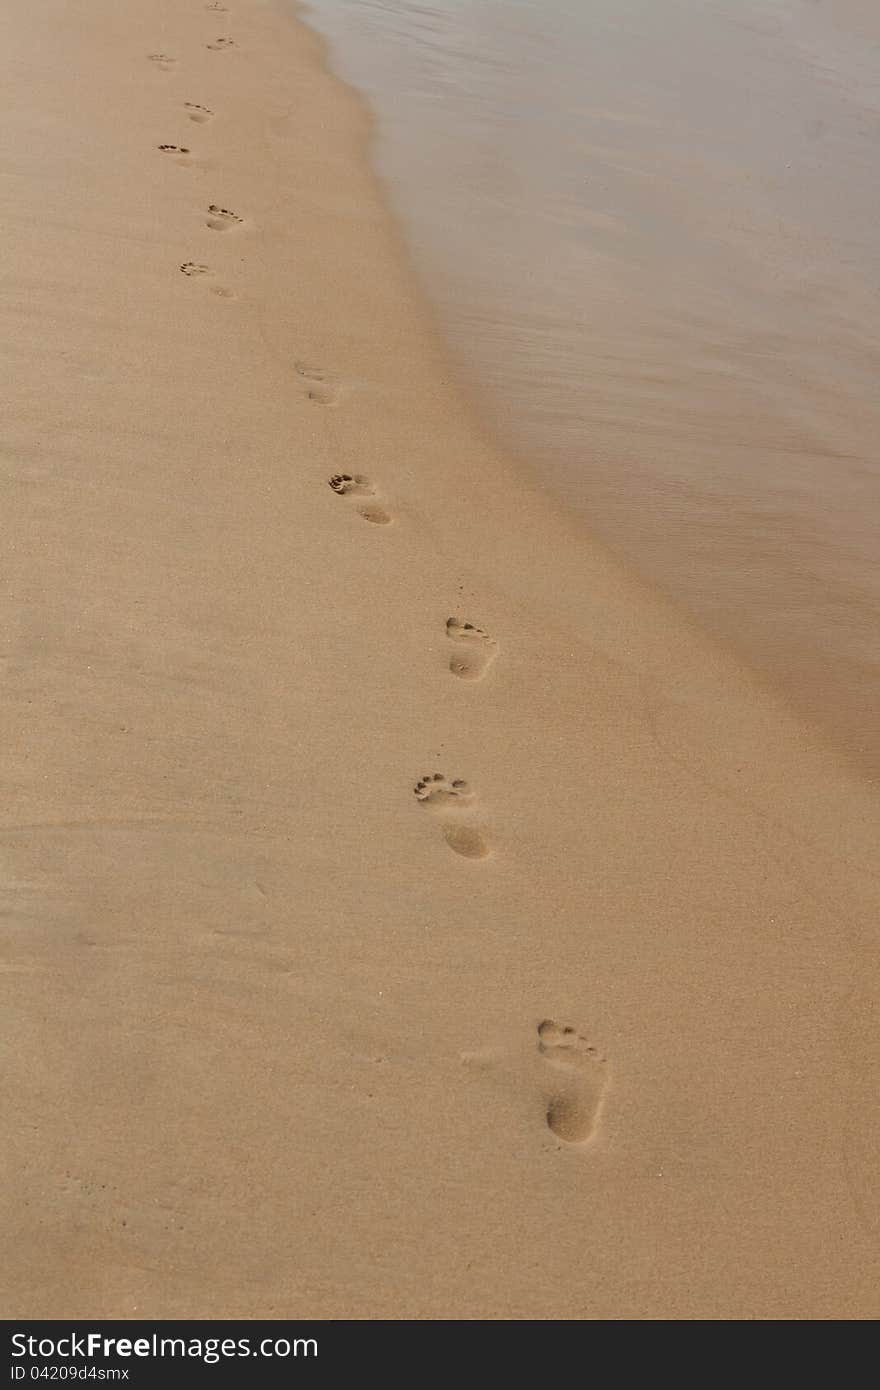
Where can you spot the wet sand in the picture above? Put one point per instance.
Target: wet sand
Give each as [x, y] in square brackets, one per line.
[650, 232]
[359, 962]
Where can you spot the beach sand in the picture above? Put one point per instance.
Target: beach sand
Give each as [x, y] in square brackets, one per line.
[586, 1030]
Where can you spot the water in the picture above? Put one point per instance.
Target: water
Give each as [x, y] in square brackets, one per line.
[650, 228]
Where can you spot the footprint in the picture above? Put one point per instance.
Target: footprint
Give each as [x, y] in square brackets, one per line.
[197, 113]
[345, 483]
[436, 788]
[221, 43]
[196, 268]
[451, 799]
[177, 150]
[321, 385]
[163, 61]
[215, 5]
[474, 650]
[221, 219]
[579, 1081]
[355, 484]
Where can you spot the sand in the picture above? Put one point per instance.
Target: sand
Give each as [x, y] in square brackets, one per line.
[654, 253]
[360, 964]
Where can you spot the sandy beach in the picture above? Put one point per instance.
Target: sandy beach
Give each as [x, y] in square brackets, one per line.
[407, 913]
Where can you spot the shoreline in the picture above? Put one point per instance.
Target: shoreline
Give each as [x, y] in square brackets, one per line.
[279, 1033]
[602, 337]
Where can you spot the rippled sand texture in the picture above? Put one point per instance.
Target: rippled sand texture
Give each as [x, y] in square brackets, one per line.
[651, 232]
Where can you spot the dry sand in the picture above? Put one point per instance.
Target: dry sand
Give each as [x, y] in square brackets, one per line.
[591, 1036]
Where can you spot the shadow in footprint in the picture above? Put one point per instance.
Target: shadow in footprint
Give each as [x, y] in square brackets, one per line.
[197, 113]
[347, 483]
[179, 153]
[220, 43]
[579, 1081]
[436, 790]
[222, 219]
[452, 801]
[357, 485]
[162, 60]
[474, 650]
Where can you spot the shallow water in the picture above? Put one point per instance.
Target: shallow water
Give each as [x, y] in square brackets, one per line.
[651, 233]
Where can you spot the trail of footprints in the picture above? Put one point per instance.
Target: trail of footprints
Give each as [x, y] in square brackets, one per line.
[218, 219]
[575, 1074]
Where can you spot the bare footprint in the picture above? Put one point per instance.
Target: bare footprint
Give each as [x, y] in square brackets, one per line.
[450, 799]
[180, 153]
[356, 484]
[436, 788]
[321, 385]
[162, 61]
[197, 113]
[196, 268]
[222, 219]
[220, 43]
[346, 483]
[474, 650]
[580, 1078]
[217, 7]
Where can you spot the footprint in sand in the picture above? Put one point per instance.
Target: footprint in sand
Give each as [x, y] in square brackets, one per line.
[222, 219]
[196, 268]
[356, 485]
[321, 386]
[576, 1089]
[163, 61]
[220, 43]
[452, 801]
[474, 650]
[217, 7]
[197, 113]
[181, 152]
